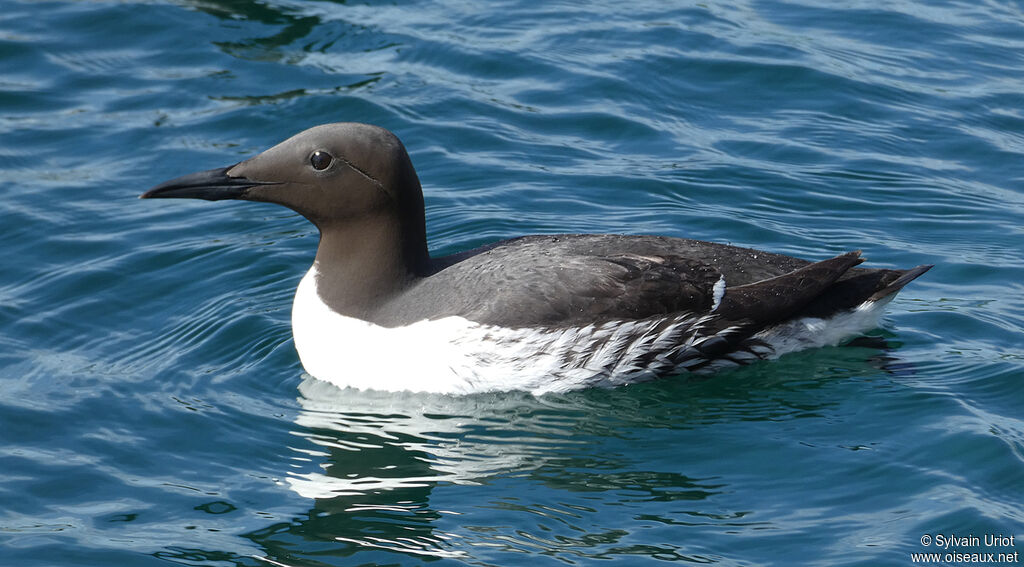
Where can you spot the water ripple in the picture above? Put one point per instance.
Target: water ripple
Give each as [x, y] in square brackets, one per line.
[152, 407]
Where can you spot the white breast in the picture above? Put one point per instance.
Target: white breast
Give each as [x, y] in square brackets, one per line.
[350, 352]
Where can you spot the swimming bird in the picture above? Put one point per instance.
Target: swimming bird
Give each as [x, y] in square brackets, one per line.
[538, 313]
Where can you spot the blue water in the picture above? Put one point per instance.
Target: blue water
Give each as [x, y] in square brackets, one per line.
[152, 407]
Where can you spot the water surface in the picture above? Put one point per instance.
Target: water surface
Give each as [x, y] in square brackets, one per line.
[152, 407]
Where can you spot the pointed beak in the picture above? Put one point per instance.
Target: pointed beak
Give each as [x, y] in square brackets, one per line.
[212, 185]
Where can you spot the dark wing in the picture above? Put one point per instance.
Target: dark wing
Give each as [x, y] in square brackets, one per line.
[553, 281]
[569, 280]
[579, 290]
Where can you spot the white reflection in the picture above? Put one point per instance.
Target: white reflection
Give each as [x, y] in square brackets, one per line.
[379, 441]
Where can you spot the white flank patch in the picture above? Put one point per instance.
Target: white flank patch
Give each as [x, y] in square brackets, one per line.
[718, 292]
[812, 332]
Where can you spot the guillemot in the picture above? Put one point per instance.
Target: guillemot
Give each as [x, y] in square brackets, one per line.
[538, 313]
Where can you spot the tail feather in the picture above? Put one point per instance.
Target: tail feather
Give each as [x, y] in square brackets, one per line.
[776, 299]
[897, 284]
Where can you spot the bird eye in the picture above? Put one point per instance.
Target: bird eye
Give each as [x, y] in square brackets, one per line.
[320, 160]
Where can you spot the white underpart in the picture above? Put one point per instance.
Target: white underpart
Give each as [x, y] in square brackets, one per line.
[813, 332]
[456, 356]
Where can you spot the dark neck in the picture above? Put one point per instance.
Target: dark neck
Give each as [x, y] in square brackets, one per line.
[363, 263]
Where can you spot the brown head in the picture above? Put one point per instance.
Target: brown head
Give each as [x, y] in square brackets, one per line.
[355, 182]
